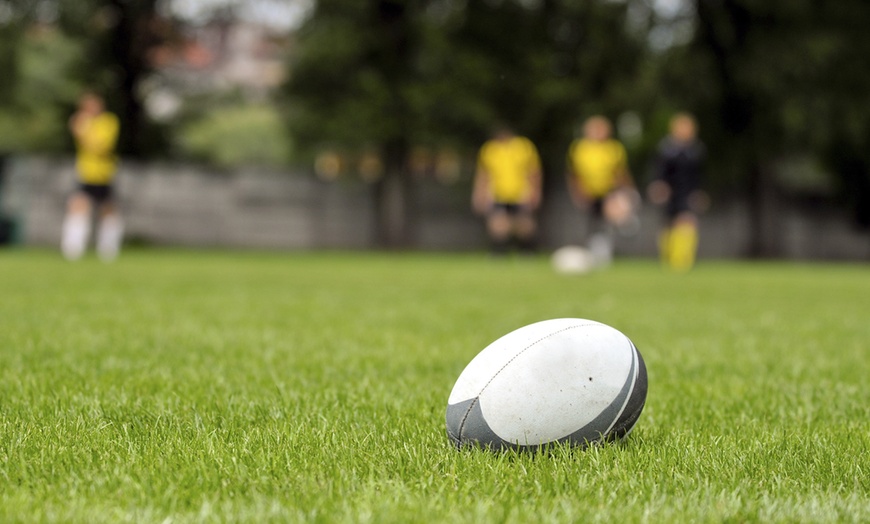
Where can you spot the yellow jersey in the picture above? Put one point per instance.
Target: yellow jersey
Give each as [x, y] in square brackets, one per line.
[96, 162]
[596, 165]
[510, 165]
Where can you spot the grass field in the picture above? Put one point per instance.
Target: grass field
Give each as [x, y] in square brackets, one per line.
[180, 386]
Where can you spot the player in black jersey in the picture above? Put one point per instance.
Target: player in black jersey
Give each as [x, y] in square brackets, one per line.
[679, 166]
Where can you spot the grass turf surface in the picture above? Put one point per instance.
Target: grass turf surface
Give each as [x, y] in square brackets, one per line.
[181, 386]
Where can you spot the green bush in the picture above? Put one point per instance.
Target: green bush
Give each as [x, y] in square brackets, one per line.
[239, 135]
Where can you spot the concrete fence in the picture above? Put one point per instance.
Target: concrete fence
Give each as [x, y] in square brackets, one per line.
[172, 204]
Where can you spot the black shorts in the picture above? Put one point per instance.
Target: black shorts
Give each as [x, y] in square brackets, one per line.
[510, 209]
[98, 194]
[596, 209]
[677, 205]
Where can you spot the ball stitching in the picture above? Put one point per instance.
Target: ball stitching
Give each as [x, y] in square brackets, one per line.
[506, 364]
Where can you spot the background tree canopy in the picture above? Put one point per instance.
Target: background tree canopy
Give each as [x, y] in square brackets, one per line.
[775, 84]
[391, 74]
[54, 50]
[441, 71]
[773, 80]
[769, 80]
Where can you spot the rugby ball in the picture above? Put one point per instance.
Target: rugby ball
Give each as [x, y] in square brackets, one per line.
[563, 380]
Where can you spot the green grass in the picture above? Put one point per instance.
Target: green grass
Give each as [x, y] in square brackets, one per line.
[180, 386]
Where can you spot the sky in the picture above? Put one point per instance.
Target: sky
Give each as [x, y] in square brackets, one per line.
[669, 8]
[280, 14]
[289, 14]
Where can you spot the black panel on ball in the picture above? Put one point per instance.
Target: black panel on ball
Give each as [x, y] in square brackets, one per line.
[636, 401]
[456, 414]
[466, 426]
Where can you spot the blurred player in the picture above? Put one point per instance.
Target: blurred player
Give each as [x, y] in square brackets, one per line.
[507, 189]
[95, 132]
[679, 164]
[599, 180]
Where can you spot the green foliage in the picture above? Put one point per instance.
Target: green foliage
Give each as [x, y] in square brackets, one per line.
[769, 79]
[238, 135]
[55, 50]
[312, 388]
[10, 36]
[774, 78]
[457, 69]
[34, 115]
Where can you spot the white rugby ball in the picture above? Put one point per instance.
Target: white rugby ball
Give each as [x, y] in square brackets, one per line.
[563, 380]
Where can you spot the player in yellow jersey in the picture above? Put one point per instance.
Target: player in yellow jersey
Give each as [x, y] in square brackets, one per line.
[598, 179]
[95, 132]
[507, 189]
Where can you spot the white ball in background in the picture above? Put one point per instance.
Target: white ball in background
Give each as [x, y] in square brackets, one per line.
[573, 260]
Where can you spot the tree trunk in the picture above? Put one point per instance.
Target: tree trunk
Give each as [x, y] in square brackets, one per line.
[394, 60]
[764, 219]
[393, 200]
[130, 41]
[10, 38]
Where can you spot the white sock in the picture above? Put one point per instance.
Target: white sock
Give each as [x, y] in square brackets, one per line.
[601, 246]
[76, 230]
[109, 237]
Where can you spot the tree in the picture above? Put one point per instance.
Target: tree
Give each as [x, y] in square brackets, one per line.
[349, 85]
[393, 73]
[38, 85]
[773, 79]
[51, 50]
[118, 35]
[539, 66]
